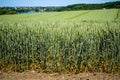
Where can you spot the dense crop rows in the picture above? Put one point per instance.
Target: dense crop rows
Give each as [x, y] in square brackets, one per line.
[59, 46]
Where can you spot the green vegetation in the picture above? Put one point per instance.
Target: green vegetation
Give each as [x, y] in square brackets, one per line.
[15, 10]
[107, 5]
[74, 41]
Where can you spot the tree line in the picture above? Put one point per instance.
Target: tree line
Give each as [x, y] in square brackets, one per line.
[107, 5]
[15, 10]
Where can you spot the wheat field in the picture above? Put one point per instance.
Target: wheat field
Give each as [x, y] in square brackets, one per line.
[69, 41]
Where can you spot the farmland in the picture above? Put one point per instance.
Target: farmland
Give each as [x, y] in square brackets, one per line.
[69, 41]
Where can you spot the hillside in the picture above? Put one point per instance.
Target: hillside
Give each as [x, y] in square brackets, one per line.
[75, 16]
[107, 5]
[15, 10]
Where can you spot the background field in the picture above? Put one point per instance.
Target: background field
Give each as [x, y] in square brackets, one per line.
[73, 41]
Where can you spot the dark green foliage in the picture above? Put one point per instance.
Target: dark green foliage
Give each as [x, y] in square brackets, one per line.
[108, 5]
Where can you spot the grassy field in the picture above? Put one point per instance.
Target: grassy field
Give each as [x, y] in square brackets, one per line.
[74, 41]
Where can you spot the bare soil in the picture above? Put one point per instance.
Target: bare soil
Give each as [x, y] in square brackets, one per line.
[32, 75]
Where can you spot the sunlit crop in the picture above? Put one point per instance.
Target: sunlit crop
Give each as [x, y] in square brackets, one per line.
[74, 41]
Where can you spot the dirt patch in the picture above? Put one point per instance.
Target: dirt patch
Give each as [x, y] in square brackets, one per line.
[32, 75]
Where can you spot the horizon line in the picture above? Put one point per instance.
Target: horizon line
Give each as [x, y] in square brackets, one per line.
[61, 6]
